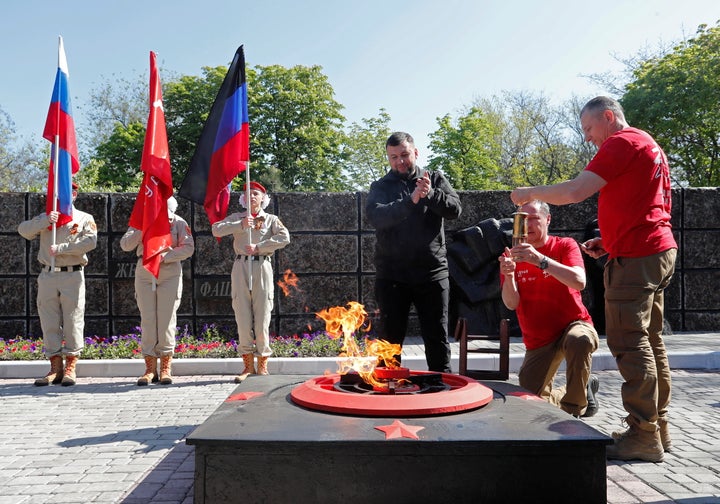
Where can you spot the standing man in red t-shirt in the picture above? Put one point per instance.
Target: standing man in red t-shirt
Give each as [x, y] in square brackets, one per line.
[542, 280]
[631, 172]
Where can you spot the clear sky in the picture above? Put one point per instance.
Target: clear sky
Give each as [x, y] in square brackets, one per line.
[417, 59]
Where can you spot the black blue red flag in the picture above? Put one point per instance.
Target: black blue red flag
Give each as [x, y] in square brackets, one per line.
[223, 150]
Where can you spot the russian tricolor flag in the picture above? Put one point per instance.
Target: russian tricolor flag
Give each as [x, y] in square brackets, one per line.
[223, 150]
[60, 131]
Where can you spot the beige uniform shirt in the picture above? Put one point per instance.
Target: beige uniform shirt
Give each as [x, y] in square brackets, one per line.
[269, 236]
[182, 243]
[75, 239]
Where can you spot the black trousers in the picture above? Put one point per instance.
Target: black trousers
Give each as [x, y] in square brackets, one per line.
[431, 301]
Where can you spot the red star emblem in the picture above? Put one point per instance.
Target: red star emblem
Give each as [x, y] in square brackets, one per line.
[243, 396]
[526, 395]
[399, 430]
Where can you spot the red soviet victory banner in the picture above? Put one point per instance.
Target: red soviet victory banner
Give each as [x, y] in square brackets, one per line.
[150, 212]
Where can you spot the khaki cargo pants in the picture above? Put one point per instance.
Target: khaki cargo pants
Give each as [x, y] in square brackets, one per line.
[634, 306]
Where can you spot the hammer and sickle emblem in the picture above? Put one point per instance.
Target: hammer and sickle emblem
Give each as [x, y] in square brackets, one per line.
[148, 190]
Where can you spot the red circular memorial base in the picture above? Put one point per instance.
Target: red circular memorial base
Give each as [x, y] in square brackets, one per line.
[460, 394]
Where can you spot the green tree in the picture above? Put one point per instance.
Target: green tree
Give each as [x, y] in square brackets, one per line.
[23, 167]
[364, 151]
[467, 150]
[120, 115]
[538, 146]
[675, 98]
[115, 103]
[117, 160]
[296, 129]
[583, 151]
[112, 134]
[187, 101]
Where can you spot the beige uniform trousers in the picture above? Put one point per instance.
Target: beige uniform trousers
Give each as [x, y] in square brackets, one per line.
[61, 307]
[634, 307]
[575, 346]
[253, 309]
[158, 308]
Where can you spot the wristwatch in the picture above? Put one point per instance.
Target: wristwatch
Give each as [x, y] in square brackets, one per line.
[543, 263]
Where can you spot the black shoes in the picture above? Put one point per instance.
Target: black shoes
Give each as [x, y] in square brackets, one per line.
[592, 388]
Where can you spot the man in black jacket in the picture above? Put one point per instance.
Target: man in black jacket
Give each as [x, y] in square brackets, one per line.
[407, 208]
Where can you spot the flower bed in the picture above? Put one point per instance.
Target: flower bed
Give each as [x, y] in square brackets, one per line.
[212, 342]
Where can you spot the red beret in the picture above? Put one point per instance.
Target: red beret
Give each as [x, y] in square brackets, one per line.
[74, 186]
[255, 185]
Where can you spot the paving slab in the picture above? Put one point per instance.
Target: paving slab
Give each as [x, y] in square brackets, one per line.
[59, 442]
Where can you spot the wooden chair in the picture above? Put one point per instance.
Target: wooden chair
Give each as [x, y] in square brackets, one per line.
[493, 344]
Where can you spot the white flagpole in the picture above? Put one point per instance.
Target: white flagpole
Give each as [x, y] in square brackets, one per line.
[56, 148]
[56, 160]
[249, 231]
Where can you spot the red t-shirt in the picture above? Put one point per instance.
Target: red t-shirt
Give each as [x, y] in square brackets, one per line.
[548, 306]
[634, 206]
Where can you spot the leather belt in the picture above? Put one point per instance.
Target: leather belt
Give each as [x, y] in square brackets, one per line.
[246, 257]
[76, 267]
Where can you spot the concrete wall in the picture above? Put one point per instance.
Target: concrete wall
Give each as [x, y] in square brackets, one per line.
[331, 251]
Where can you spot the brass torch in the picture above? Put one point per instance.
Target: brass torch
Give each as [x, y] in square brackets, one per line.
[520, 228]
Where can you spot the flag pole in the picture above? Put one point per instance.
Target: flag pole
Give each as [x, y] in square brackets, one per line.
[56, 148]
[249, 231]
[247, 197]
[56, 160]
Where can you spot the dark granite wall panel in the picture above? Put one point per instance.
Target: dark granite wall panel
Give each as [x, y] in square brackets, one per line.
[331, 251]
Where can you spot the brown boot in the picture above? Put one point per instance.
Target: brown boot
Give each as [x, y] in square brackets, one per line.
[68, 378]
[665, 433]
[262, 365]
[55, 375]
[620, 433]
[150, 371]
[249, 362]
[165, 369]
[636, 443]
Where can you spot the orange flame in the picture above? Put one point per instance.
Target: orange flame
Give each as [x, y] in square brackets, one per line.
[289, 280]
[384, 350]
[341, 321]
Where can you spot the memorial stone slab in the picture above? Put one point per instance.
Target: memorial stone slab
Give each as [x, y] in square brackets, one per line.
[12, 254]
[12, 212]
[320, 253]
[12, 297]
[323, 212]
[701, 208]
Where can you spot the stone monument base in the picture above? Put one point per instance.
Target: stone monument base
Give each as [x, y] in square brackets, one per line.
[259, 446]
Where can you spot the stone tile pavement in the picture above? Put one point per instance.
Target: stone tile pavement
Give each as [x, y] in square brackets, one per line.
[103, 440]
[108, 441]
